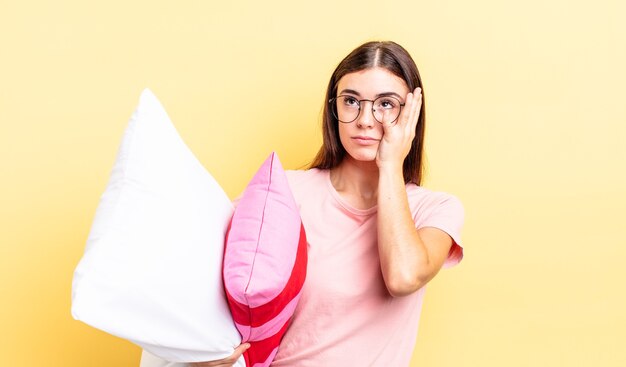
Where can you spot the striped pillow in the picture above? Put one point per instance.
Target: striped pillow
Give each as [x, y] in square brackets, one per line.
[265, 261]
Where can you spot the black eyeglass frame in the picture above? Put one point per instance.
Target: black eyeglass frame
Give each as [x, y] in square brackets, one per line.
[333, 107]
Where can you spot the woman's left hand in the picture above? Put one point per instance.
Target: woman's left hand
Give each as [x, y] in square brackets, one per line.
[398, 135]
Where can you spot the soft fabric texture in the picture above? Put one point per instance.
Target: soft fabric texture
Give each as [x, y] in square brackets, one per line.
[265, 262]
[346, 316]
[150, 360]
[151, 272]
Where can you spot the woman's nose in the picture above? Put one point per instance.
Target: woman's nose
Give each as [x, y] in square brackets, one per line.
[366, 117]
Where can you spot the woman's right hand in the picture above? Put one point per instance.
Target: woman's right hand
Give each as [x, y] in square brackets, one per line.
[226, 362]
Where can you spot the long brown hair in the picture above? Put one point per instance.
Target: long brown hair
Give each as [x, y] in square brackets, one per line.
[394, 58]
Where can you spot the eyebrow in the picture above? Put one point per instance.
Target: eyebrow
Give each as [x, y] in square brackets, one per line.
[384, 94]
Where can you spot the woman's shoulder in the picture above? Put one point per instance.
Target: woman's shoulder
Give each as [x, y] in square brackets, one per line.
[305, 184]
[439, 210]
[309, 176]
[421, 198]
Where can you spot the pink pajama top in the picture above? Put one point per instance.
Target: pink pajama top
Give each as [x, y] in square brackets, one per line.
[346, 316]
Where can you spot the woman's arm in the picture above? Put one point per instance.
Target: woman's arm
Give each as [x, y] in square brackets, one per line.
[409, 258]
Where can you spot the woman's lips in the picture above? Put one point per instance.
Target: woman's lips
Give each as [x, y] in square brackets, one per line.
[365, 140]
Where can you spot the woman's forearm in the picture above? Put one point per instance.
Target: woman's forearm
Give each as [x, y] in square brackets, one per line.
[404, 257]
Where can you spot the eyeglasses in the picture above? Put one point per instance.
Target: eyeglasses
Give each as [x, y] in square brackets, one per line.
[385, 109]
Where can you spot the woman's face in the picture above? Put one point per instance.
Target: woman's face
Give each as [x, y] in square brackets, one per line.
[361, 137]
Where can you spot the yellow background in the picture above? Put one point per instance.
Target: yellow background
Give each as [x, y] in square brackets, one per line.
[526, 124]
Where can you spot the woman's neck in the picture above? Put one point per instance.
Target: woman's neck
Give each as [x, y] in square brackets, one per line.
[356, 182]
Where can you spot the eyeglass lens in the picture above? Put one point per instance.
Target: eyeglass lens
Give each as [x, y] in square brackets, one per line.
[385, 109]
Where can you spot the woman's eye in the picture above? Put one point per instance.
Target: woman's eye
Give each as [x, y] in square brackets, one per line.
[387, 103]
[350, 101]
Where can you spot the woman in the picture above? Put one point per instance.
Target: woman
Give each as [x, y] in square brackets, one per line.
[375, 236]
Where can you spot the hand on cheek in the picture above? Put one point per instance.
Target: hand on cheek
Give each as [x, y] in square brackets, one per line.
[398, 135]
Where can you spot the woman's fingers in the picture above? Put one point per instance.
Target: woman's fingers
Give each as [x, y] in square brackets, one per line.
[398, 135]
[410, 113]
[239, 351]
[416, 107]
[226, 362]
[412, 106]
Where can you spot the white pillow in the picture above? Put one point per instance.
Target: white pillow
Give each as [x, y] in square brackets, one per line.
[151, 272]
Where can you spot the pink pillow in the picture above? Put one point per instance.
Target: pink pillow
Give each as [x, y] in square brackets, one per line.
[265, 261]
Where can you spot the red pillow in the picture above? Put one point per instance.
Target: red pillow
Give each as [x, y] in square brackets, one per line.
[265, 260]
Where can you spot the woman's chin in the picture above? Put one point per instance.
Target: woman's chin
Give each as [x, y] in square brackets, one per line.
[363, 157]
